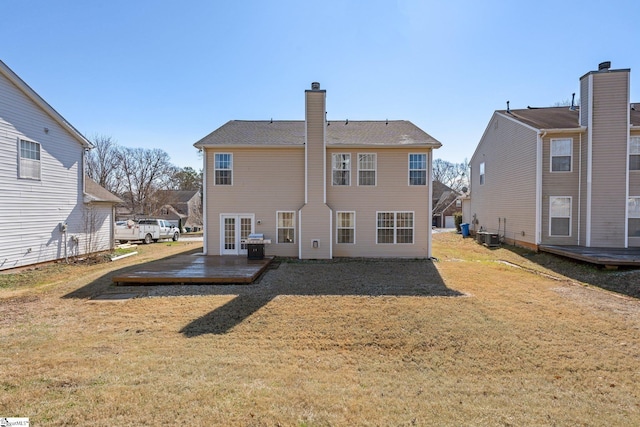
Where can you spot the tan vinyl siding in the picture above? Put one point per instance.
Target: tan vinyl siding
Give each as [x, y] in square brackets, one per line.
[560, 184]
[582, 203]
[391, 194]
[584, 101]
[508, 150]
[264, 181]
[610, 159]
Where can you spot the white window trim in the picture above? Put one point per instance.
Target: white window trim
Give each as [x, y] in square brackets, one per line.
[338, 228]
[631, 139]
[293, 217]
[551, 156]
[481, 174]
[395, 227]
[216, 169]
[21, 159]
[333, 169]
[375, 169]
[570, 215]
[426, 170]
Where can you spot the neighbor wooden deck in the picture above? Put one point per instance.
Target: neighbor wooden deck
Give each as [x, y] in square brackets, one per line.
[600, 256]
[196, 269]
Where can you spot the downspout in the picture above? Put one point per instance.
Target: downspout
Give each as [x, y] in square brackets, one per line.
[587, 242]
[579, 186]
[430, 202]
[205, 244]
[541, 135]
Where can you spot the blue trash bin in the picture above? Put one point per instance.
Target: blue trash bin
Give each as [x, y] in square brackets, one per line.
[465, 229]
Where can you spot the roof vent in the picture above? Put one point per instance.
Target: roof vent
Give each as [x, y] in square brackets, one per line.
[604, 66]
[315, 86]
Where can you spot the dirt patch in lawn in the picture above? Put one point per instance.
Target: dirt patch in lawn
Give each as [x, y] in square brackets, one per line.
[468, 340]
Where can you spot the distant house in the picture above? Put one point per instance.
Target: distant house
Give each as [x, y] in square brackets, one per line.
[319, 189]
[445, 203]
[563, 175]
[50, 210]
[183, 208]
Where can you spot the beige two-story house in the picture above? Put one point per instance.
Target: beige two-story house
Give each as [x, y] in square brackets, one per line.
[566, 176]
[318, 189]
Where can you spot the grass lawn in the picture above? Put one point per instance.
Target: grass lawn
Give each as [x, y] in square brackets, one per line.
[525, 341]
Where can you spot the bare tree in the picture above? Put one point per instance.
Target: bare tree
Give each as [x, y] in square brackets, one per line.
[453, 175]
[144, 172]
[102, 163]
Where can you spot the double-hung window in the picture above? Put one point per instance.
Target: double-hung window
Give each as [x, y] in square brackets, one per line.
[634, 153]
[561, 155]
[633, 212]
[286, 230]
[560, 216]
[417, 169]
[29, 160]
[341, 168]
[482, 173]
[395, 227]
[223, 169]
[367, 164]
[346, 227]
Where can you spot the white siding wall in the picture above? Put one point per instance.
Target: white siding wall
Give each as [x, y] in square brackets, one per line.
[31, 211]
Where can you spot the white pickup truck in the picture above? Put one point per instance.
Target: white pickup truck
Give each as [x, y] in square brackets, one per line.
[146, 230]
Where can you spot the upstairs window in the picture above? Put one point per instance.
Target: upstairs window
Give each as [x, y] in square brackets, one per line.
[417, 169]
[367, 164]
[482, 173]
[634, 153]
[223, 169]
[561, 155]
[29, 160]
[560, 216]
[341, 168]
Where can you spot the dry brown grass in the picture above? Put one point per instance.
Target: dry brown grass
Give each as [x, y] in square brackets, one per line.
[524, 346]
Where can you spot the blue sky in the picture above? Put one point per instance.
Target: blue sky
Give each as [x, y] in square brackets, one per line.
[166, 73]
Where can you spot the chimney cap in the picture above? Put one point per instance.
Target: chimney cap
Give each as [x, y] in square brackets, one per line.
[604, 66]
[315, 86]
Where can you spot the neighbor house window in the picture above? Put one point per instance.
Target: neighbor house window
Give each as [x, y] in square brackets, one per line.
[394, 227]
[633, 212]
[29, 160]
[367, 164]
[341, 167]
[417, 169]
[560, 216]
[286, 227]
[634, 153]
[482, 173]
[561, 155]
[223, 169]
[346, 227]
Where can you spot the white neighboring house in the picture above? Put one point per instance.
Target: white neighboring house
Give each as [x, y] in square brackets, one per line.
[48, 209]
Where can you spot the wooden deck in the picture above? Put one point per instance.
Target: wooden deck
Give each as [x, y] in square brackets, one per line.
[196, 269]
[600, 256]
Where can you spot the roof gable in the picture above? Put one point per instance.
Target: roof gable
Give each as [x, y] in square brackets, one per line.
[41, 103]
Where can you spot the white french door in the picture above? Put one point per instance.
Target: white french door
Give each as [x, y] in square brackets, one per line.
[234, 228]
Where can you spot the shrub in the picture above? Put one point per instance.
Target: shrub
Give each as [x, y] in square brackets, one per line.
[457, 218]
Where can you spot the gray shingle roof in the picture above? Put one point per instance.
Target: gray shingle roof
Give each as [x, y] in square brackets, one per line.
[97, 193]
[556, 117]
[292, 132]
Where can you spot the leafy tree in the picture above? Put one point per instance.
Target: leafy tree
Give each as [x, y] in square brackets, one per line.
[187, 179]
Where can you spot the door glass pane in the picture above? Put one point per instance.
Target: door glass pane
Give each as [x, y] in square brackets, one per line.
[245, 230]
[229, 233]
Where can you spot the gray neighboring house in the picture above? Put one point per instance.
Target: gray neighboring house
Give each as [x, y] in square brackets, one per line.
[566, 176]
[319, 189]
[49, 209]
[183, 208]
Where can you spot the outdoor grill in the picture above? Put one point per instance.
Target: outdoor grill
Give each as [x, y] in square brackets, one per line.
[255, 245]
